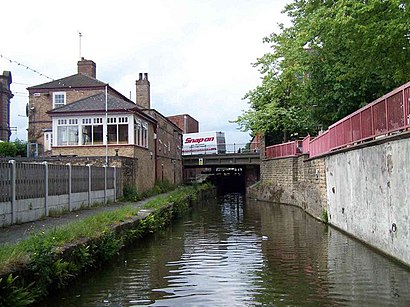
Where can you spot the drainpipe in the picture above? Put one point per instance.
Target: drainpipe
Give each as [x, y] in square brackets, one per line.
[155, 151]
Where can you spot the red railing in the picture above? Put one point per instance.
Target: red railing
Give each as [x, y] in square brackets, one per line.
[284, 150]
[385, 115]
[306, 145]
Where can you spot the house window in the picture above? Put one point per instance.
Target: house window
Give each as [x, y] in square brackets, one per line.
[92, 131]
[67, 132]
[141, 133]
[59, 99]
[117, 130]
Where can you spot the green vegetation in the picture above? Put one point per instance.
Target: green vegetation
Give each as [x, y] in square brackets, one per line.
[130, 192]
[324, 216]
[335, 57]
[54, 257]
[13, 149]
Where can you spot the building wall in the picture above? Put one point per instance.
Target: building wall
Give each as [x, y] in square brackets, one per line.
[142, 174]
[40, 102]
[185, 122]
[168, 149]
[5, 96]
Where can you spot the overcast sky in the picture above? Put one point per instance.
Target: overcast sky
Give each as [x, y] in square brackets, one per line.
[197, 53]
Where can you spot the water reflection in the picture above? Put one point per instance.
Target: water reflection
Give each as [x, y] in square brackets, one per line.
[228, 253]
[219, 261]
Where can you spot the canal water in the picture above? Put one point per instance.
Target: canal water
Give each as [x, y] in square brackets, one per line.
[237, 252]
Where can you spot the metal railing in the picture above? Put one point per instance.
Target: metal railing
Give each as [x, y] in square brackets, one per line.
[222, 148]
[284, 150]
[386, 115]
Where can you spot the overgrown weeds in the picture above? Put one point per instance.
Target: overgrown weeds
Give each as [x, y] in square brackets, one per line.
[130, 193]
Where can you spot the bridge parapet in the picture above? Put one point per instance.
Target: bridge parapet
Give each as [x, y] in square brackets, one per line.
[222, 160]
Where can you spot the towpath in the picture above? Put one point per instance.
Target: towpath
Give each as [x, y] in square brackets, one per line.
[16, 233]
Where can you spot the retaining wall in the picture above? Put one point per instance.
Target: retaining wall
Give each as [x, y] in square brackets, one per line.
[369, 196]
[362, 190]
[293, 181]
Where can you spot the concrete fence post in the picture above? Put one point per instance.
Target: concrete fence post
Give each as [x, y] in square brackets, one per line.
[70, 205]
[89, 185]
[105, 183]
[46, 209]
[13, 191]
[115, 184]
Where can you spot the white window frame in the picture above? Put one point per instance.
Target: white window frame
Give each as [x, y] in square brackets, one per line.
[48, 140]
[55, 94]
[94, 121]
[118, 121]
[67, 125]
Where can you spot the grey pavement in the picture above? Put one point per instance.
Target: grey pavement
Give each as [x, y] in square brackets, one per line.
[19, 232]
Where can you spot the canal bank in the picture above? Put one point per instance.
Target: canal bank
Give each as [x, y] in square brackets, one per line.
[50, 260]
[233, 251]
[360, 190]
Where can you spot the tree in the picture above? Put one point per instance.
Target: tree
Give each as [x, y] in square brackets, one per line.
[7, 149]
[335, 57]
[21, 147]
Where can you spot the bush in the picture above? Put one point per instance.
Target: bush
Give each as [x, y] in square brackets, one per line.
[130, 192]
[8, 149]
[21, 147]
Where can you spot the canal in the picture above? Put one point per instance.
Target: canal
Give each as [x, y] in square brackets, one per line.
[237, 252]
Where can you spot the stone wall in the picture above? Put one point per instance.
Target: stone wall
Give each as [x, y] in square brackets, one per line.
[294, 181]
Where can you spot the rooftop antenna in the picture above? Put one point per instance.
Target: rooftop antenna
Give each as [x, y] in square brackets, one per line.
[80, 35]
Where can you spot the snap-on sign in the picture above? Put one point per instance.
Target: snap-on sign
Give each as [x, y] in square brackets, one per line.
[199, 140]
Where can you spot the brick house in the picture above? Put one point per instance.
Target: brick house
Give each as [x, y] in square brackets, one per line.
[82, 116]
[168, 145]
[5, 96]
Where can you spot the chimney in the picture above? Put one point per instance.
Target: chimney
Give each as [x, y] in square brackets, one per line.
[87, 67]
[143, 91]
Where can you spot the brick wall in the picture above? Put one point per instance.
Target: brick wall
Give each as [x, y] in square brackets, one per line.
[5, 96]
[41, 103]
[142, 170]
[169, 141]
[185, 122]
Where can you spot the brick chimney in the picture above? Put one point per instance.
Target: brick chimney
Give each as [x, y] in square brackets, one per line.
[143, 91]
[87, 67]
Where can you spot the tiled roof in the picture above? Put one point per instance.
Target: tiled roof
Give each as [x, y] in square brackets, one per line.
[95, 103]
[75, 81]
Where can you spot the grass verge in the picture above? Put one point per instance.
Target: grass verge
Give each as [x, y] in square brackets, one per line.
[54, 257]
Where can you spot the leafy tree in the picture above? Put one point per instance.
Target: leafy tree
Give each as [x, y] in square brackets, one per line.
[21, 147]
[335, 57]
[7, 149]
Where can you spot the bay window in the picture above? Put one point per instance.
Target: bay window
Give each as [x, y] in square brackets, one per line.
[117, 130]
[92, 131]
[67, 132]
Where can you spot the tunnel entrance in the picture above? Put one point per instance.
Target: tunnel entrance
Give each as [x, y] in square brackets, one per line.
[228, 180]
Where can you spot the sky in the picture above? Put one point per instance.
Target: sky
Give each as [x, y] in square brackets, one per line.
[198, 53]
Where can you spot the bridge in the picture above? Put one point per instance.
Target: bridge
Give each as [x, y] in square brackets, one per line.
[234, 169]
[233, 160]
